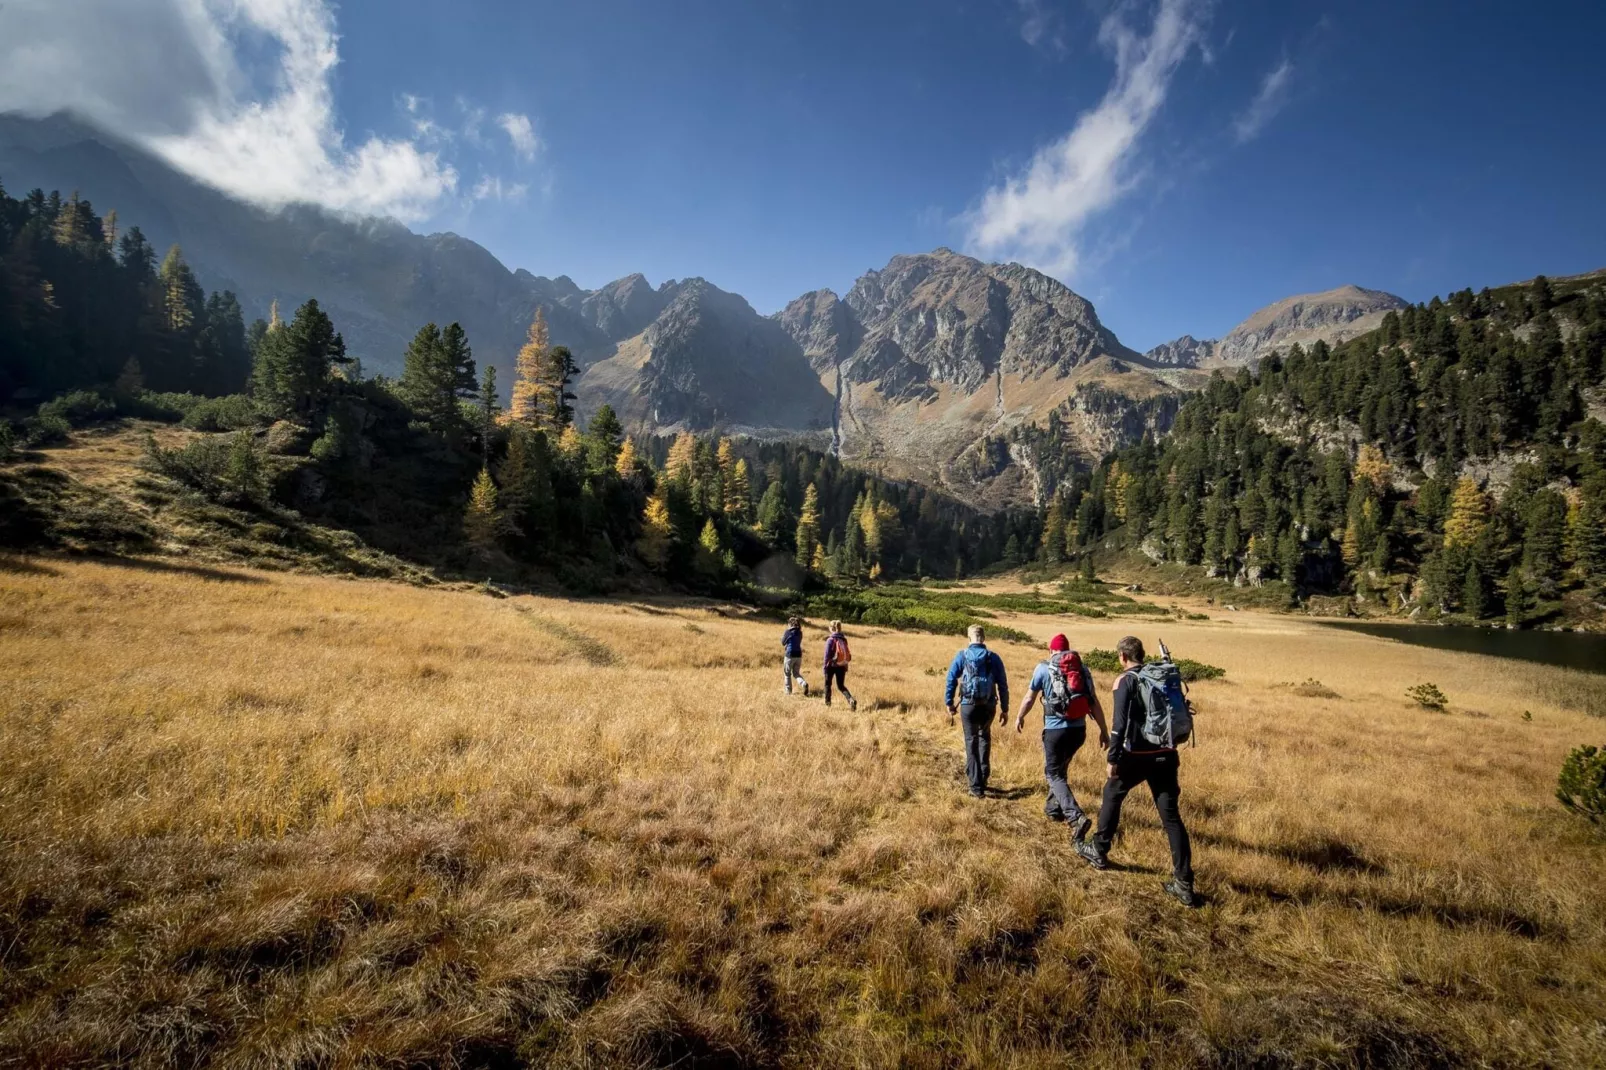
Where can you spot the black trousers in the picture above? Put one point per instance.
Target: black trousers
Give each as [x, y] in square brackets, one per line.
[1159, 771]
[978, 724]
[1059, 747]
[838, 673]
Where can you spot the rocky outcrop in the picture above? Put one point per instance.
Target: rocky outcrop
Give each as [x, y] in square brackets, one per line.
[1184, 352]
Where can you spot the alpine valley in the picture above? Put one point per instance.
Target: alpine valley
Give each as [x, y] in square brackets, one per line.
[922, 371]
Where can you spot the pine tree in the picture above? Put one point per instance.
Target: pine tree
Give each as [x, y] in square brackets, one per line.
[657, 532]
[682, 458]
[709, 550]
[627, 463]
[488, 412]
[294, 362]
[602, 440]
[738, 494]
[482, 520]
[1053, 545]
[183, 300]
[1469, 513]
[428, 382]
[560, 373]
[458, 358]
[527, 403]
[808, 527]
[1012, 557]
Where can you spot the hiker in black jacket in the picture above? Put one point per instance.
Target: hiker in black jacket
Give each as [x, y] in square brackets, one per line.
[1134, 760]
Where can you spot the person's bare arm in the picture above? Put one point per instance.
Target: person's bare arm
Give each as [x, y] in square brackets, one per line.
[1025, 708]
[1097, 713]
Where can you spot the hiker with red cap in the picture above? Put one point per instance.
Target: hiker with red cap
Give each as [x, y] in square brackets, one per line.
[1068, 700]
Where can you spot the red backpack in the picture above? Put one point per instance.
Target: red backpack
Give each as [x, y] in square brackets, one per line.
[843, 654]
[1067, 692]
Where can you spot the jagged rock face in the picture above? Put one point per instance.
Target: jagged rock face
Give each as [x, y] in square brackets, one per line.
[625, 307]
[708, 361]
[945, 318]
[1184, 352]
[824, 326]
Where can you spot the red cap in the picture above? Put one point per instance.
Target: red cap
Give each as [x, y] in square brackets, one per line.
[1059, 642]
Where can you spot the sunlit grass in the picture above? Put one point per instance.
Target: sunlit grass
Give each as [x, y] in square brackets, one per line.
[265, 819]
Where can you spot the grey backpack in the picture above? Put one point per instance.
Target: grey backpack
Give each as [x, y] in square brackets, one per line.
[1167, 715]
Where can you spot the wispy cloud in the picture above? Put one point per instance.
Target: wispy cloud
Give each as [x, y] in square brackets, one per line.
[184, 78]
[1041, 25]
[493, 188]
[1267, 103]
[1039, 214]
[521, 132]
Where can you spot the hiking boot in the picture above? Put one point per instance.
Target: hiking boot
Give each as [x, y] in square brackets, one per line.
[805, 689]
[1180, 892]
[1084, 825]
[978, 793]
[1091, 854]
[853, 703]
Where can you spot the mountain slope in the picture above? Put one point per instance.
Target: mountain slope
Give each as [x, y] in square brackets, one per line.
[1332, 316]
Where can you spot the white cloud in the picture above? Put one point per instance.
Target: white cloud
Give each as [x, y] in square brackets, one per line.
[521, 132]
[492, 188]
[174, 76]
[1038, 215]
[1268, 102]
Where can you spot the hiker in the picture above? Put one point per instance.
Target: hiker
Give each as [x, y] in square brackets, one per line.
[1150, 718]
[1069, 699]
[792, 654]
[837, 656]
[977, 675]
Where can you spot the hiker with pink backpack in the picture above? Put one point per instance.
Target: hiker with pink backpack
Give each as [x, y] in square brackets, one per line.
[837, 657]
[1069, 699]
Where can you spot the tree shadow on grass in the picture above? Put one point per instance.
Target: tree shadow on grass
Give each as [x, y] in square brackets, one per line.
[152, 564]
[22, 566]
[1448, 915]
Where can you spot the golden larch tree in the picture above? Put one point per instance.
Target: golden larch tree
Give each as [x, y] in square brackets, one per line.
[1469, 512]
[656, 532]
[529, 373]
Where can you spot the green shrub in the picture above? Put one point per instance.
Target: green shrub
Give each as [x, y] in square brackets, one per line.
[1581, 787]
[229, 470]
[1428, 696]
[79, 408]
[1109, 661]
[38, 431]
[232, 413]
[149, 405]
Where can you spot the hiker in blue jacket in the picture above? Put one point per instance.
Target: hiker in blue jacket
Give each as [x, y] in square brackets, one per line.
[792, 654]
[977, 688]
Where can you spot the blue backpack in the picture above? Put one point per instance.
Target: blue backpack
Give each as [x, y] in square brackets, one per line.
[1167, 715]
[976, 678]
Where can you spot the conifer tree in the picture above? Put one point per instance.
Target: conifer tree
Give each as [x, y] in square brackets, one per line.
[808, 527]
[488, 412]
[682, 458]
[526, 404]
[657, 532]
[294, 362]
[710, 553]
[602, 440]
[1053, 548]
[483, 520]
[774, 518]
[1469, 512]
[183, 300]
[738, 493]
[428, 382]
[627, 463]
[459, 359]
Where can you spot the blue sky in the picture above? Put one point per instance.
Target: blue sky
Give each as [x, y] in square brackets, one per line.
[1179, 162]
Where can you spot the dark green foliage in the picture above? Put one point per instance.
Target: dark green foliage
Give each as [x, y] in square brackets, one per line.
[1581, 787]
[1100, 660]
[226, 469]
[1428, 696]
[1251, 485]
[232, 413]
[294, 363]
[81, 307]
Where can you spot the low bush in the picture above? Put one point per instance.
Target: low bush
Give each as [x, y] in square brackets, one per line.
[226, 469]
[236, 412]
[1108, 661]
[1429, 697]
[80, 408]
[40, 431]
[1581, 787]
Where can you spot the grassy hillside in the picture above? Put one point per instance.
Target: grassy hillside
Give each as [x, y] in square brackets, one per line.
[255, 818]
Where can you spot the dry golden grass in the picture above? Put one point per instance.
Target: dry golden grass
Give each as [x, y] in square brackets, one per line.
[253, 819]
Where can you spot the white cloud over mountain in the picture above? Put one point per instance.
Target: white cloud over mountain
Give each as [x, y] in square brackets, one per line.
[237, 93]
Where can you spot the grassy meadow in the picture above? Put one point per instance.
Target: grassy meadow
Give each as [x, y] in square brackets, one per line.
[263, 819]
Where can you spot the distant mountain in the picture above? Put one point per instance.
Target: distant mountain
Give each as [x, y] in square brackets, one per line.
[1332, 316]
